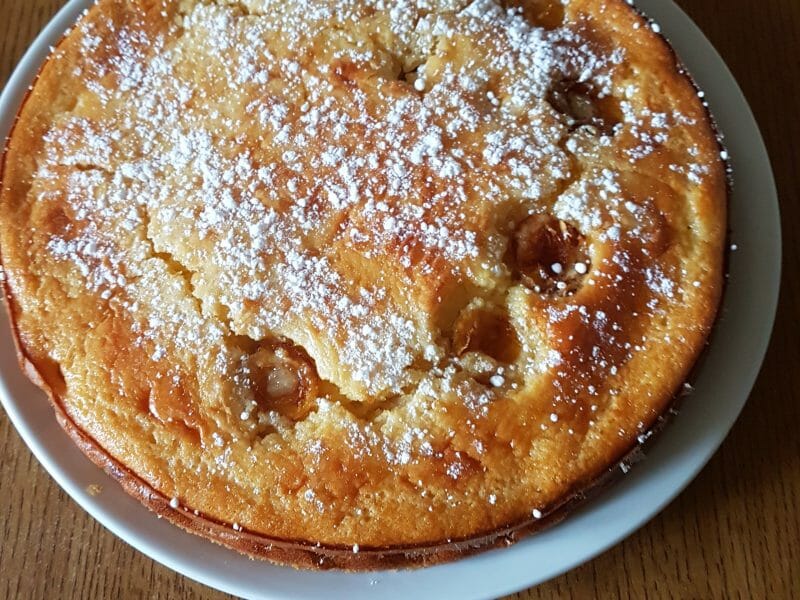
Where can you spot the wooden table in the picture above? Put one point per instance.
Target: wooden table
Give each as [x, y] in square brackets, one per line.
[735, 532]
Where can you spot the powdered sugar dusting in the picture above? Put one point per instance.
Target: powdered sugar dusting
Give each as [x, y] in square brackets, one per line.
[349, 176]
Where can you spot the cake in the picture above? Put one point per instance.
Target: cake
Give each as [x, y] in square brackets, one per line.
[362, 283]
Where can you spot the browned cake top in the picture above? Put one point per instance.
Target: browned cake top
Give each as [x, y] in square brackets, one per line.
[361, 272]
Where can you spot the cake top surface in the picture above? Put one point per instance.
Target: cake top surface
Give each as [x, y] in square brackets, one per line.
[363, 272]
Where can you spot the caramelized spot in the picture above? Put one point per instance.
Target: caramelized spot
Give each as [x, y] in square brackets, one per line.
[337, 472]
[486, 331]
[584, 108]
[651, 226]
[346, 72]
[284, 379]
[58, 222]
[51, 373]
[458, 464]
[289, 467]
[548, 14]
[169, 402]
[548, 255]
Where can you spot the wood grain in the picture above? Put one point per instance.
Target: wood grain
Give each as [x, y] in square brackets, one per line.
[734, 533]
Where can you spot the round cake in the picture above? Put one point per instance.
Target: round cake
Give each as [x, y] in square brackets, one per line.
[362, 283]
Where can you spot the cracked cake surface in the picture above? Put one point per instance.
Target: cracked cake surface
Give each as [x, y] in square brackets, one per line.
[323, 280]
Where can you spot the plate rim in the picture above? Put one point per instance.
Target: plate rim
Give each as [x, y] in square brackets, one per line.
[701, 62]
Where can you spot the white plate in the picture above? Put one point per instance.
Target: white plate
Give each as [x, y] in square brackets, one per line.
[723, 385]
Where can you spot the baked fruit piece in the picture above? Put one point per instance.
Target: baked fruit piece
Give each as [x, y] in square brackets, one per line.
[361, 283]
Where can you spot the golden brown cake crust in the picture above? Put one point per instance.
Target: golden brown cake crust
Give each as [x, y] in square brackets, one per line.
[379, 293]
